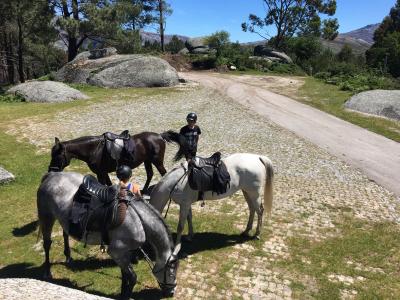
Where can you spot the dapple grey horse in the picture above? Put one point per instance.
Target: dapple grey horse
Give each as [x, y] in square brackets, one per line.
[142, 223]
[248, 172]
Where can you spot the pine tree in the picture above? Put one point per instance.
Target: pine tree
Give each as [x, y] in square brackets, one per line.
[385, 52]
[294, 17]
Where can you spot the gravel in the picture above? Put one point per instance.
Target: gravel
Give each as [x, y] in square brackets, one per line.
[313, 190]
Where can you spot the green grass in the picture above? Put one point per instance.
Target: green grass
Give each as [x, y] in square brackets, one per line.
[330, 99]
[369, 245]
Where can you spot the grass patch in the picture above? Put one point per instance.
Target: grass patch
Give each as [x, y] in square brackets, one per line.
[362, 247]
[330, 98]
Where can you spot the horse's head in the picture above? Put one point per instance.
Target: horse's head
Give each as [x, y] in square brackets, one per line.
[166, 276]
[59, 157]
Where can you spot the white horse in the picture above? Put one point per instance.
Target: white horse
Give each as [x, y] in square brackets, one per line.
[142, 223]
[248, 172]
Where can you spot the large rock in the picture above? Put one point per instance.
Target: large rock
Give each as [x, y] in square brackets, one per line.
[107, 69]
[265, 51]
[378, 102]
[198, 46]
[46, 91]
[5, 176]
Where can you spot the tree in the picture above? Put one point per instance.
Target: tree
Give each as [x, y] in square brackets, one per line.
[93, 19]
[218, 40]
[136, 14]
[163, 11]
[346, 54]
[25, 22]
[292, 17]
[175, 45]
[385, 52]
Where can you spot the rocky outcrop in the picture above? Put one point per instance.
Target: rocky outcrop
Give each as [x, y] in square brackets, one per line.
[378, 102]
[198, 46]
[271, 54]
[5, 176]
[107, 69]
[46, 91]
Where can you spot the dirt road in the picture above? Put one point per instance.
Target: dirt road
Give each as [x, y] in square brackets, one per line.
[375, 155]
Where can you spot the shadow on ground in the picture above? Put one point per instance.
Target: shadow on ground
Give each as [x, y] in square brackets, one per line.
[27, 270]
[26, 229]
[211, 241]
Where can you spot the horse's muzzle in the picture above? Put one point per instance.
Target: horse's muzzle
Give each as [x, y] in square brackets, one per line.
[168, 292]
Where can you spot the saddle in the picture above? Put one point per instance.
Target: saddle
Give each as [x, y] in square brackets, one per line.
[209, 174]
[95, 208]
[119, 145]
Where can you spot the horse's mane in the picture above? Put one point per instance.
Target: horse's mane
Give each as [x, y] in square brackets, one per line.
[159, 216]
[91, 138]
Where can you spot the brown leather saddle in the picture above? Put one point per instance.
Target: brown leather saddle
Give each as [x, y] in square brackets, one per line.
[95, 208]
[208, 174]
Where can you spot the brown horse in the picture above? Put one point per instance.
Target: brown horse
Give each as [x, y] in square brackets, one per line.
[149, 149]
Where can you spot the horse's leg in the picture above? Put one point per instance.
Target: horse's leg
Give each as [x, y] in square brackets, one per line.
[160, 167]
[252, 210]
[254, 200]
[260, 214]
[67, 250]
[149, 173]
[46, 223]
[190, 225]
[183, 215]
[103, 178]
[128, 278]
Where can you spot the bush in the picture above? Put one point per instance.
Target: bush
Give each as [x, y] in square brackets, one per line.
[362, 82]
[10, 98]
[204, 62]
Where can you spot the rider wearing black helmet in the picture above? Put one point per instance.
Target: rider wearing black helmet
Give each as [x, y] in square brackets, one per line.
[191, 132]
[124, 173]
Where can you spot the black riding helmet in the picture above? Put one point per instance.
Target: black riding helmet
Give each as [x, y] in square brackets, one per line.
[124, 172]
[191, 117]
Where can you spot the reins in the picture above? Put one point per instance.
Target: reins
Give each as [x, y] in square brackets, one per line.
[173, 188]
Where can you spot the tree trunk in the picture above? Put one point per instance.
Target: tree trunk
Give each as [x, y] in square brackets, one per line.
[20, 49]
[72, 49]
[161, 11]
[10, 59]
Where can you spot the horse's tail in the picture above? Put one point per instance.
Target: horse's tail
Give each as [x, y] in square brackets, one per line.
[171, 136]
[269, 175]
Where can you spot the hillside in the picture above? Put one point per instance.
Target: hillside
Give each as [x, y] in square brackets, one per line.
[365, 33]
[360, 40]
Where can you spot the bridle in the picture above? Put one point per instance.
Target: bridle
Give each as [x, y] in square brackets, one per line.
[57, 168]
[171, 260]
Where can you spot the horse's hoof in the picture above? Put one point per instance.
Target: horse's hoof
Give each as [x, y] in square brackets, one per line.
[256, 237]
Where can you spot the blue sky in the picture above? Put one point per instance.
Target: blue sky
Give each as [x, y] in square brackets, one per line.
[202, 17]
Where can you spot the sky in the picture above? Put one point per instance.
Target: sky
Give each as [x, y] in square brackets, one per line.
[195, 18]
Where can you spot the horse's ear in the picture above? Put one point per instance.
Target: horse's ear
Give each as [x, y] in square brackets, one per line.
[176, 249]
[56, 140]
